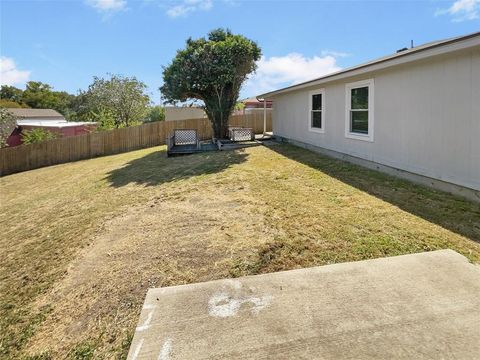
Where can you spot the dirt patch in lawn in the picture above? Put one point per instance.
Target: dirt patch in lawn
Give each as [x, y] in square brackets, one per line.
[180, 238]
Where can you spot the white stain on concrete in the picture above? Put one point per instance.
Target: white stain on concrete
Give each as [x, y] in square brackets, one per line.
[148, 306]
[166, 350]
[223, 305]
[237, 285]
[260, 303]
[146, 323]
[137, 349]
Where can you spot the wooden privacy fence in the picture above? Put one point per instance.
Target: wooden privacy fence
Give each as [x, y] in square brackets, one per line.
[57, 151]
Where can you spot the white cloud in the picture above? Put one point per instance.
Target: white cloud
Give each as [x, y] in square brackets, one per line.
[335, 53]
[276, 72]
[9, 74]
[188, 6]
[107, 6]
[462, 10]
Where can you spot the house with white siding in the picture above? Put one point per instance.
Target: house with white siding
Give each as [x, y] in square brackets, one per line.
[414, 114]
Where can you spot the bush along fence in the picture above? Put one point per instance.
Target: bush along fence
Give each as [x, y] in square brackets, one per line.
[57, 151]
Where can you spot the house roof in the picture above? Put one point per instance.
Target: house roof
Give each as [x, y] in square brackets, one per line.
[252, 100]
[52, 123]
[36, 113]
[402, 56]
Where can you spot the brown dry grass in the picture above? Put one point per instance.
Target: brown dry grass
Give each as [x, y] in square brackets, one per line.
[82, 242]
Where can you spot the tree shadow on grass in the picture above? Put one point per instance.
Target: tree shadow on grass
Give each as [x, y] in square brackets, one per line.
[449, 211]
[156, 168]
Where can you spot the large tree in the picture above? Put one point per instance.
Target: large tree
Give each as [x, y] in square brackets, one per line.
[212, 70]
[123, 99]
[11, 93]
[39, 95]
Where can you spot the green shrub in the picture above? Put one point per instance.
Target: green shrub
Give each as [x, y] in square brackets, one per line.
[6, 103]
[156, 113]
[37, 135]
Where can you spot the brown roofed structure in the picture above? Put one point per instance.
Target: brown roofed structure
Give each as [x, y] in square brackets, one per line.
[44, 114]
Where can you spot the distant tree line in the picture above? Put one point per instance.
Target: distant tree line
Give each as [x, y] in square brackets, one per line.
[37, 95]
[113, 102]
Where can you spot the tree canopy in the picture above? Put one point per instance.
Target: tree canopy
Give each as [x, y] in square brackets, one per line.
[37, 95]
[11, 93]
[212, 70]
[156, 113]
[123, 98]
[41, 96]
[11, 104]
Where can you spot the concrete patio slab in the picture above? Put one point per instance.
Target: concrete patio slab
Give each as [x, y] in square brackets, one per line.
[414, 306]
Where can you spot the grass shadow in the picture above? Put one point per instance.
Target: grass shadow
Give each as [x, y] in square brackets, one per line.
[449, 211]
[156, 168]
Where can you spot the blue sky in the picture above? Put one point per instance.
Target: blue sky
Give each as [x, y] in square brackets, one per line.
[65, 43]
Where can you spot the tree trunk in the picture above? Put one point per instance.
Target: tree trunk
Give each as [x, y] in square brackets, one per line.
[219, 125]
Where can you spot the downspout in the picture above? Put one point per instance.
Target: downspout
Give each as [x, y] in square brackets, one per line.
[264, 115]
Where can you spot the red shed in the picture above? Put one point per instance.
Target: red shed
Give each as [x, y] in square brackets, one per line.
[47, 119]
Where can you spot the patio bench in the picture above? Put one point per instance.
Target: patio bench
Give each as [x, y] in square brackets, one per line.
[183, 141]
[236, 133]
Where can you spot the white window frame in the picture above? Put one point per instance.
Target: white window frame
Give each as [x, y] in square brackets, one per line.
[348, 102]
[310, 127]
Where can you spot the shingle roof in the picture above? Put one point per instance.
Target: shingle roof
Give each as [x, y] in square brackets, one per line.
[251, 100]
[36, 113]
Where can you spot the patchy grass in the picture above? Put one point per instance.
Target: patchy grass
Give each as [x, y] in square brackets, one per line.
[82, 242]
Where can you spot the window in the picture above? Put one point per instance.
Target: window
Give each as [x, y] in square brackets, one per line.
[316, 117]
[359, 110]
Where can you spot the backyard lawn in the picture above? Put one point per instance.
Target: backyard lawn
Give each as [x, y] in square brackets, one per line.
[82, 242]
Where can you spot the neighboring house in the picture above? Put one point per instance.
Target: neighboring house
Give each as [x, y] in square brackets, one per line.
[183, 113]
[47, 119]
[36, 114]
[415, 114]
[253, 106]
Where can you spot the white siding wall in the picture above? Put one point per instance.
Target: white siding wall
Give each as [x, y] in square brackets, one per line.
[427, 118]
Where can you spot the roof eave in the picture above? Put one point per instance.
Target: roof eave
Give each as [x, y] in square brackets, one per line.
[396, 59]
